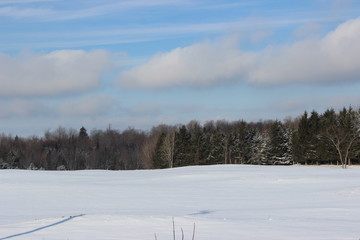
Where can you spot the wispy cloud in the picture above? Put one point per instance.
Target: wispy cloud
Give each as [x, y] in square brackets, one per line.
[332, 58]
[207, 5]
[342, 2]
[255, 29]
[51, 13]
[3, 2]
[24, 12]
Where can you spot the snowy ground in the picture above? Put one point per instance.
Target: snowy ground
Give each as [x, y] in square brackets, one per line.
[231, 202]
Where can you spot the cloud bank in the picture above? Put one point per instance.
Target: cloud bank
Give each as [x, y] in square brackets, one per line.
[56, 73]
[333, 58]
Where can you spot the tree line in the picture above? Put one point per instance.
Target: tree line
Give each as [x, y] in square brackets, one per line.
[312, 138]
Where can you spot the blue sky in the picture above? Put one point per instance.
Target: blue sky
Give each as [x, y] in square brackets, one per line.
[141, 63]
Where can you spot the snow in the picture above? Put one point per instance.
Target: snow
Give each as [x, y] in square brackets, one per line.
[226, 202]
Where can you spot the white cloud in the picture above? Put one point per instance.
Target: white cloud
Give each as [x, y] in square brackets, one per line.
[201, 64]
[56, 73]
[332, 58]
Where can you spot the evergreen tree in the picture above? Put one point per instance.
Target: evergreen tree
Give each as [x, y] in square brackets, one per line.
[278, 151]
[241, 143]
[306, 142]
[312, 151]
[299, 139]
[182, 151]
[164, 152]
[217, 142]
[196, 134]
[212, 148]
[259, 147]
[83, 132]
[159, 161]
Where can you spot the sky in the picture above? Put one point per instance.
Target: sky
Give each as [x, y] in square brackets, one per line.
[140, 63]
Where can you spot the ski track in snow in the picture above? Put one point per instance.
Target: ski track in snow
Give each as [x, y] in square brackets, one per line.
[42, 228]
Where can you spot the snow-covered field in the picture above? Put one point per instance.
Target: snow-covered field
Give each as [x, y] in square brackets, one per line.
[228, 202]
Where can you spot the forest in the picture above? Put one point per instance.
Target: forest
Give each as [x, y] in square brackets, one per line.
[332, 137]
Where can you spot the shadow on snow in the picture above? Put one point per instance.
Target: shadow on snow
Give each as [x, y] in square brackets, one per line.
[44, 227]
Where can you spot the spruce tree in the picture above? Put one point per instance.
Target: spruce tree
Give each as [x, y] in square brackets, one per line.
[278, 151]
[159, 157]
[83, 132]
[259, 147]
[182, 152]
[241, 143]
[196, 134]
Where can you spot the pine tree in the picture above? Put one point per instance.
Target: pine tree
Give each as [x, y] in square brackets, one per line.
[159, 159]
[182, 151]
[299, 139]
[241, 143]
[307, 147]
[212, 148]
[313, 144]
[196, 134]
[259, 147]
[83, 132]
[278, 151]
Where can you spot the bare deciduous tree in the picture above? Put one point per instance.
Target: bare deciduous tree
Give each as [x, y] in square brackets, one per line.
[342, 130]
[168, 148]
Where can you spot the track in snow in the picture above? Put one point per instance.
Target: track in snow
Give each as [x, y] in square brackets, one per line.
[44, 227]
